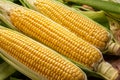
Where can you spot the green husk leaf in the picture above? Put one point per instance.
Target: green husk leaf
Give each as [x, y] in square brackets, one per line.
[6, 70]
[99, 4]
[3, 24]
[22, 2]
[113, 16]
[12, 78]
[26, 4]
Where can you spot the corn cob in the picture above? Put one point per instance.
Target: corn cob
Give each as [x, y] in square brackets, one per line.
[82, 26]
[53, 35]
[38, 58]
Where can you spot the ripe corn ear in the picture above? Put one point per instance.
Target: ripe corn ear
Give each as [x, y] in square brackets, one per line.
[53, 35]
[41, 60]
[81, 25]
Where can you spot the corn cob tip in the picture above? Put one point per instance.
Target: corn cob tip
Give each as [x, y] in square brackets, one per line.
[6, 6]
[108, 71]
[114, 48]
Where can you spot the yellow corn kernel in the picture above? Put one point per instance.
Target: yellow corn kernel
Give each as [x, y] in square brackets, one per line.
[37, 57]
[77, 23]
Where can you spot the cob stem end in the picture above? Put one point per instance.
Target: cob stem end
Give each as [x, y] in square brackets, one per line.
[114, 48]
[107, 70]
